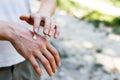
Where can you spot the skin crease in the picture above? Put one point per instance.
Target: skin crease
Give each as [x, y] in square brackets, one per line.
[21, 38]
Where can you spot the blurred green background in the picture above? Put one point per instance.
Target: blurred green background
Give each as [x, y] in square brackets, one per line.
[78, 9]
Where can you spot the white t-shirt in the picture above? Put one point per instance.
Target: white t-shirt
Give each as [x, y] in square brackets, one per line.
[10, 10]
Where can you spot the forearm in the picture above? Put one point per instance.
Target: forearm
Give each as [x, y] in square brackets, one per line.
[47, 7]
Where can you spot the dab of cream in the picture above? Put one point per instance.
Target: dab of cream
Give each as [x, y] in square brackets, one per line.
[35, 37]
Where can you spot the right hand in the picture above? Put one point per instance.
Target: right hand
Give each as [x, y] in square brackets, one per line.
[31, 49]
[42, 19]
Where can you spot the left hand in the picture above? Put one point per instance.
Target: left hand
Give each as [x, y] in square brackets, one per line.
[44, 20]
[21, 39]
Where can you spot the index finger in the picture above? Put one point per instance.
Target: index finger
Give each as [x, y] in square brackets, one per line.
[36, 24]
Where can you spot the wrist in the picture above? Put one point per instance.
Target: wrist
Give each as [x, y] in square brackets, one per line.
[9, 33]
[5, 31]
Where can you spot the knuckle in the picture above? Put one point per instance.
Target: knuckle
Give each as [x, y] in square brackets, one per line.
[30, 55]
[55, 52]
[45, 62]
[29, 50]
[35, 51]
[45, 41]
[41, 46]
[51, 59]
[35, 65]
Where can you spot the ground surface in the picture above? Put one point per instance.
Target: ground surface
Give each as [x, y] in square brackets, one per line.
[86, 53]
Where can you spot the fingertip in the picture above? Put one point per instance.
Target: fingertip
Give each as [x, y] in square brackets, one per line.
[55, 36]
[24, 18]
[50, 33]
[39, 72]
[36, 30]
[21, 17]
[57, 32]
[46, 31]
[52, 74]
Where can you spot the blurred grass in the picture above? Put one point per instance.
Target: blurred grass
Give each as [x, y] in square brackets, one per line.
[68, 5]
[115, 2]
[96, 17]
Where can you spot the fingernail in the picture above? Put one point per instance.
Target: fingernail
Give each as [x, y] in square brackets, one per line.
[52, 74]
[46, 31]
[36, 30]
[55, 36]
[50, 32]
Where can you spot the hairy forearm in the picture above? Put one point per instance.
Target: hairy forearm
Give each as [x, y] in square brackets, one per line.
[47, 7]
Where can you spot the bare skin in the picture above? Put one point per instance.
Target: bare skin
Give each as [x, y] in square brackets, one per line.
[43, 17]
[21, 39]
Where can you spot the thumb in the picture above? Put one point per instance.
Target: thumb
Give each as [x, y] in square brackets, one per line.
[25, 17]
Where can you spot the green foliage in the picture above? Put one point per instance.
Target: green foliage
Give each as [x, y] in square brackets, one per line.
[91, 15]
[97, 18]
[115, 2]
[68, 5]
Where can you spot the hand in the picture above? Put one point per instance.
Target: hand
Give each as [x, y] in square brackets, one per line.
[45, 20]
[31, 49]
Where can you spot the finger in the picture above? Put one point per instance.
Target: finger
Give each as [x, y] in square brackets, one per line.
[35, 66]
[25, 17]
[54, 52]
[47, 26]
[57, 31]
[45, 63]
[51, 28]
[36, 24]
[51, 60]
